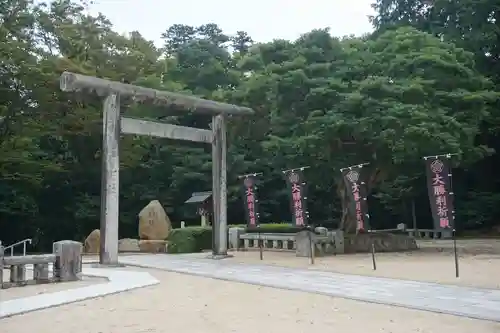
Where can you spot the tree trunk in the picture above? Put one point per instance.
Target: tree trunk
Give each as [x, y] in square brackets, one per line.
[348, 220]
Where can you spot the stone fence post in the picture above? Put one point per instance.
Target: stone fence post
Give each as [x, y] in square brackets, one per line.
[68, 260]
[305, 242]
[234, 237]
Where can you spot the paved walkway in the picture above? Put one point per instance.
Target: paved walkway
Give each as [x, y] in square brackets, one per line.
[118, 281]
[460, 301]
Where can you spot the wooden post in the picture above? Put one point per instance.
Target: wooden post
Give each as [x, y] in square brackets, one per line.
[68, 260]
[1, 265]
[219, 184]
[223, 186]
[108, 254]
[215, 185]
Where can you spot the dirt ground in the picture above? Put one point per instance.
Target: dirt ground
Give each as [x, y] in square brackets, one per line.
[183, 303]
[480, 270]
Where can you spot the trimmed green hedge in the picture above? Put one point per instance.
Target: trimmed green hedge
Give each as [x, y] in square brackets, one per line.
[282, 228]
[189, 240]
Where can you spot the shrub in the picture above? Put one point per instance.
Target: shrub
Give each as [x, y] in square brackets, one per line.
[190, 240]
[275, 228]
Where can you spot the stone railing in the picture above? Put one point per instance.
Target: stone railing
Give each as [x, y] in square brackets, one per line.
[429, 233]
[326, 242]
[269, 241]
[419, 233]
[65, 261]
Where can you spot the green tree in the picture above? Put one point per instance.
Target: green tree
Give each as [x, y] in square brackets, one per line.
[472, 25]
[389, 102]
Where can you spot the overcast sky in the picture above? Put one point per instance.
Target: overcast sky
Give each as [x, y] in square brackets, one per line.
[263, 20]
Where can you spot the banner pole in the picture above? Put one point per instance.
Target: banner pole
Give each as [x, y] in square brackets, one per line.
[451, 197]
[457, 273]
[298, 204]
[454, 233]
[261, 250]
[374, 263]
[359, 196]
[251, 206]
[311, 246]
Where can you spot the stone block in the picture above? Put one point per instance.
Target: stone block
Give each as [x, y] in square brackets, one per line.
[128, 245]
[68, 264]
[446, 234]
[41, 273]
[337, 240]
[383, 242]
[18, 274]
[321, 231]
[401, 226]
[153, 246]
[303, 243]
[234, 237]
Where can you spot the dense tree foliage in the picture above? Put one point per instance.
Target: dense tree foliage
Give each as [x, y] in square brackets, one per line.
[423, 83]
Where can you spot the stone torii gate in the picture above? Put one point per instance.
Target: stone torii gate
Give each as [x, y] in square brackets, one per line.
[114, 125]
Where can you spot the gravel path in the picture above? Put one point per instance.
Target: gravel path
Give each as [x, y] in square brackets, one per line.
[475, 270]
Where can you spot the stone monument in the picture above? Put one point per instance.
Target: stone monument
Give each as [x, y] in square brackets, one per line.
[93, 242]
[154, 223]
[154, 228]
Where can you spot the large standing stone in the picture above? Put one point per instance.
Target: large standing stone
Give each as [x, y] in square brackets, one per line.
[93, 242]
[154, 223]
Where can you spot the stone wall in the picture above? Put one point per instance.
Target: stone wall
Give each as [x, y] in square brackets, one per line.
[384, 242]
[327, 242]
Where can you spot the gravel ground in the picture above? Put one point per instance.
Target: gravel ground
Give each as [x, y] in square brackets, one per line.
[183, 303]
[475, 270]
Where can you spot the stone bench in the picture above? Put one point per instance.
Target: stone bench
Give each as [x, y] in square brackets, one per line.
[65, 261]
